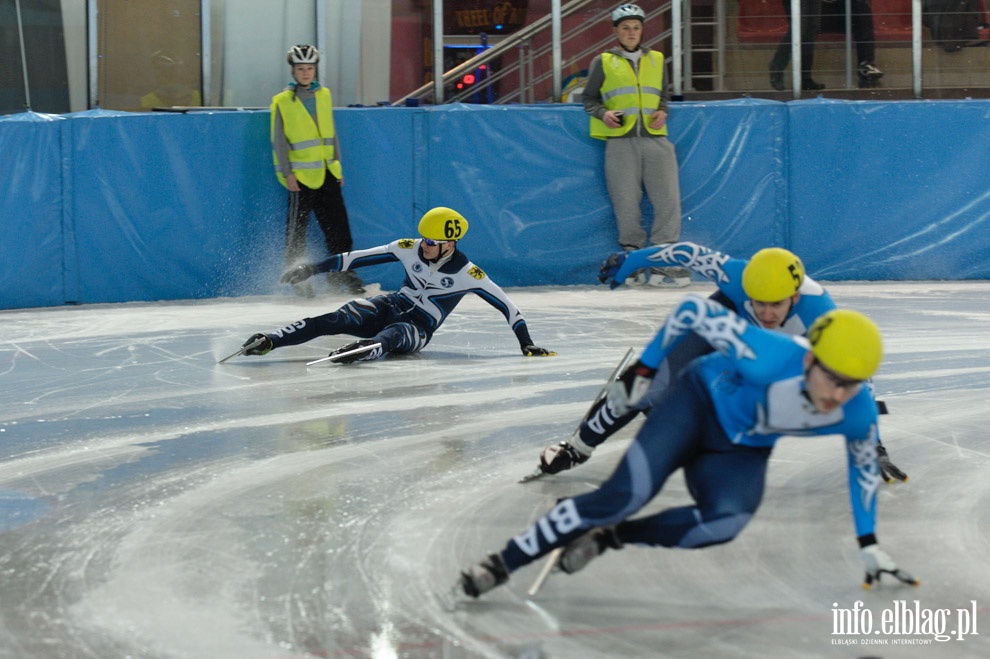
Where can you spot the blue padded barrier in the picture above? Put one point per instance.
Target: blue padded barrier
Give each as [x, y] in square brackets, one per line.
[113, 207]
[891, 191]
[31, 252]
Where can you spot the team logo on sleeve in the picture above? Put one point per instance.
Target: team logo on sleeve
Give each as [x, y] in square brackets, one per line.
[406, 243]
[447, 282]
[476, 272]
[700, 259]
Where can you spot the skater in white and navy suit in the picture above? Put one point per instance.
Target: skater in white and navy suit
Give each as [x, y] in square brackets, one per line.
[438, 275]
[718, 422]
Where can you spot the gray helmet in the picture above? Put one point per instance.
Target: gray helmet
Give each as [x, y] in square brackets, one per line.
[302, 54]
[622, 12]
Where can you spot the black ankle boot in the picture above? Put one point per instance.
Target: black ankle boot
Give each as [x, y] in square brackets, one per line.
[777, 80]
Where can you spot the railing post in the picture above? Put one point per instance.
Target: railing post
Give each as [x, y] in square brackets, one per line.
[437, 52]
[555, 31]
[687, 46]
[849, 44]
[677, 54]
[916, 47]
[796, 48]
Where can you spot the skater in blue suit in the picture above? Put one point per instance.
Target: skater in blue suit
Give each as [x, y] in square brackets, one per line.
[719, 421]
[770, 290]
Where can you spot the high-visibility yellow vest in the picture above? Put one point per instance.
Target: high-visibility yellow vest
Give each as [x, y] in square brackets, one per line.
[630, 93]
[310, 145]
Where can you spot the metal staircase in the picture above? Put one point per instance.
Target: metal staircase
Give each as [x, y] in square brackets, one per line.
[519, 80]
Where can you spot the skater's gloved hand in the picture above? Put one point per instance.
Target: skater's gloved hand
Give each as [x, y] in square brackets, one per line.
[888, 469]
[630, 387]
[258, 344]
[298, 274]
[610, 268]
[878, 562]
[535, 351]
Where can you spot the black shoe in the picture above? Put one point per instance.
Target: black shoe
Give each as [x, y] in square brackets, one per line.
[810, 85]
[777, 80]
[869, 70]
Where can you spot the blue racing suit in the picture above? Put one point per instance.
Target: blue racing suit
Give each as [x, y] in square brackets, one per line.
[726, 273]
[719, 421]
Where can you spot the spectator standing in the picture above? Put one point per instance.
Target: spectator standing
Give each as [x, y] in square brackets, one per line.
[628, 102]
[307, 162]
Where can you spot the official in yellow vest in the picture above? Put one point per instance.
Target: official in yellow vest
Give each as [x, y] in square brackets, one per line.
[306, 154]
[627, 100]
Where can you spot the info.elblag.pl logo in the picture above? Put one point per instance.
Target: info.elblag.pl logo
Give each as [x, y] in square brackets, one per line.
[903, 623]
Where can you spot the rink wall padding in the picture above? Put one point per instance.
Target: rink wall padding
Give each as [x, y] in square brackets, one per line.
[113, 207]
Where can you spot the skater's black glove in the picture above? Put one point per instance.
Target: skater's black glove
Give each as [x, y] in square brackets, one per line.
[258, 344]
[888, 469]
[610, 268]
[535, 351]
[878, 563]
[298, 274]
[630, 387]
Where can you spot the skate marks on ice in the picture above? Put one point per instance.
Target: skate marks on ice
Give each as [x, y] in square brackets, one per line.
[261, 508]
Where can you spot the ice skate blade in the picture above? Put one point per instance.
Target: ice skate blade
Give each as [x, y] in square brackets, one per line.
[545, 571]
[452, 598]
[250, 346]
[539, 473]
[336, 357]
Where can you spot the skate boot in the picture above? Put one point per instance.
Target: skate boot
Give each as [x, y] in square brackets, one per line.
[669, 277]
[263, 348]
[484, 576]
[594, 543]
[365, 350]
[638, 279]
[561, 457]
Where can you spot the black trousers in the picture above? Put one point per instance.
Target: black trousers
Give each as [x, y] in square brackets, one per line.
[811, 14]
[861, 20]
[327, 203]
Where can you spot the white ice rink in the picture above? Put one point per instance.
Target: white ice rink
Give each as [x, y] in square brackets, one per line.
[156, 504]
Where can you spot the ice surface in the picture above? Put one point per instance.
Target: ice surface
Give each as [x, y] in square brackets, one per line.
[156, 504]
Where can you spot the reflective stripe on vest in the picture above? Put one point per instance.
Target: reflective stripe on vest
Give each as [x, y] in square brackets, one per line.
[625, 91]
[310, 147]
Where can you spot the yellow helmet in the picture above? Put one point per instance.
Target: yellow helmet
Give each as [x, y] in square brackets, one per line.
[847, 342]
[443, 223]
[772, 275]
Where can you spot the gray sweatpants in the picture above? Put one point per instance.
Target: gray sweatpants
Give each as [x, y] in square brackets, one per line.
[635, 163]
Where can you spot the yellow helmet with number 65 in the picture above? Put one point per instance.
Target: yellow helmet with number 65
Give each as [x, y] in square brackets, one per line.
[772, 275]
[442, 223]
[846, 342]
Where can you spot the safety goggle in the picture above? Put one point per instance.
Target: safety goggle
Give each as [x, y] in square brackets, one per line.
[839, 381]
[434, 243]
